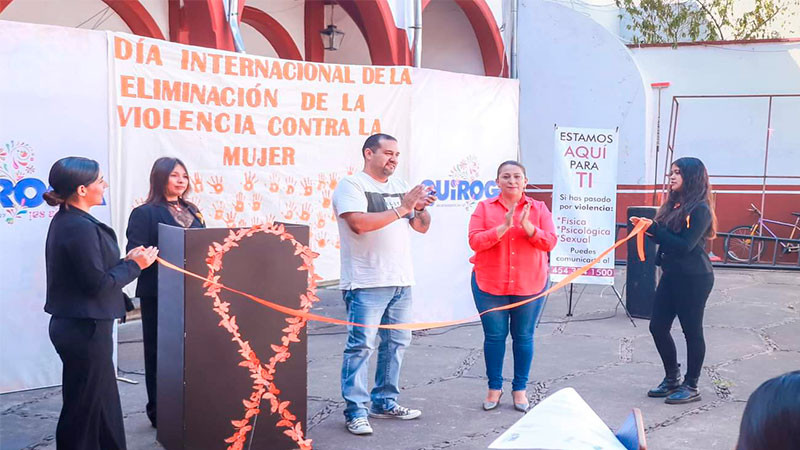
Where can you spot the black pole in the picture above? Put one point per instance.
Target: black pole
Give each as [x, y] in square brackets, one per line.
[569, 309]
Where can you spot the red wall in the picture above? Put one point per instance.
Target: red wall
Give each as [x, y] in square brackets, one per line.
[732, 203]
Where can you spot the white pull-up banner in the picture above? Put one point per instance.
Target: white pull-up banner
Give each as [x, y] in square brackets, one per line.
[584, 202]
[53, 103]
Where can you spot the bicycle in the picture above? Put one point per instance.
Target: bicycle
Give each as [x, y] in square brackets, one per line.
[741, 247]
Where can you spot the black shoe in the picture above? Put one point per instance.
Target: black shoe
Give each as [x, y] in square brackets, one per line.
[668, 386]
[684, 394]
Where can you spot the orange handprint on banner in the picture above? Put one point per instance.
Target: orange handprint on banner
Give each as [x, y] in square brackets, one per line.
[219, 210]
[336, 244]
[216, 183]
[322, 182]
[256, 204]
[239, 204]
[274, 187]
[326, 198]
[321, 219]
[198, 183]
[321, 239]
[308, 186]
[333, 181]
[289, 211]
[242, 223]
[249, 181]
[333, 216]
[269, 219]
[139, 201]
[289, 186]
[230, 219]
[305, 212]
[257, 220]
[351, 170]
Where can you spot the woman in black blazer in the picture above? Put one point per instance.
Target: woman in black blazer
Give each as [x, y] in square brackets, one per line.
[166, 203]
[682, 226]
[85, 276]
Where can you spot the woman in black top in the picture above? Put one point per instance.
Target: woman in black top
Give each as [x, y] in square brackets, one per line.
[85, 276]
[166, 203]
[681, 227]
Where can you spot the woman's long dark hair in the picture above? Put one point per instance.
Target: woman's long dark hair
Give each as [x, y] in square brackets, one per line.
[771, 419]
[695, 190]
[159, 176]
[66, 175]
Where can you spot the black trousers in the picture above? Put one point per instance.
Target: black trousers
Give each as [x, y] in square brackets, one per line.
[91, 415]
[149, 307]
[683, 296]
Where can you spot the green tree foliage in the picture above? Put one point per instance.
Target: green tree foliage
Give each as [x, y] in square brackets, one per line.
[673, 21]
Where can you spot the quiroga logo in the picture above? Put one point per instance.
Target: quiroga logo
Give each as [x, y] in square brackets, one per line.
[463, 188]
[20, 192]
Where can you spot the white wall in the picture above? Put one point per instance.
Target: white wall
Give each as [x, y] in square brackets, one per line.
[730, 134]
[575, 73]
[159, 10]
[448, 40]
[78, 13]
[354, 48]
[289, 13]
[604, 12]
[403, 13]
[255, 43]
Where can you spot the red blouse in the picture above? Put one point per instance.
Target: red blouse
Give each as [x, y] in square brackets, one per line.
[514, 264]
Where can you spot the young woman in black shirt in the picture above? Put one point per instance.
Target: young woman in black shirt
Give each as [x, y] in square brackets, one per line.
[681, 227]
[85, 277]
[166, 203]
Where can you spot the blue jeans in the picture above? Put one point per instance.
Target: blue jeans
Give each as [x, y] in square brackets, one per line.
[495, 332]
[372, 306]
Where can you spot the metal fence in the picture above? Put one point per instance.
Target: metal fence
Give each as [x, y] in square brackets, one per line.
[752, 263]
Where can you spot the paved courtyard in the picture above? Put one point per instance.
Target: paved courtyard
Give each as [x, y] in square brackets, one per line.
[752, 334]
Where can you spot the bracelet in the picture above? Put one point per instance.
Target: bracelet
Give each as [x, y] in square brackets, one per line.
[396, 212]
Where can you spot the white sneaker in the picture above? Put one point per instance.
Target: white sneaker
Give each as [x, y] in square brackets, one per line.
[359, 425]
[399, 412]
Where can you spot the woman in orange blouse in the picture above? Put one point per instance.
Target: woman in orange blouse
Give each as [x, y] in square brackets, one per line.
[511, 235]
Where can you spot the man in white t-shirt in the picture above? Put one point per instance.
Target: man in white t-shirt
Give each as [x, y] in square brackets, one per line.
[375, 212]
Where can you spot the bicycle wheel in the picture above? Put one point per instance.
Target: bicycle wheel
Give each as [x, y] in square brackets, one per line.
[738, 243]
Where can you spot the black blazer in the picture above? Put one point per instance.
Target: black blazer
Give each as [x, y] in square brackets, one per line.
[685, 251]
[143, 230]
[85, 274]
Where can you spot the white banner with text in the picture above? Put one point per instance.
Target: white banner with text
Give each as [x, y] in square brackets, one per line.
[54, 103]
[584, 202]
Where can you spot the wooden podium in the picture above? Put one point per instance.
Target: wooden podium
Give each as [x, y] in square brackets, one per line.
[202, 388]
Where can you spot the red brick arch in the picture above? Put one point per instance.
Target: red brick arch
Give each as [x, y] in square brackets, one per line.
[486, 31]
[132, 12]
[388, 45]
[136, 17]
[273, 31]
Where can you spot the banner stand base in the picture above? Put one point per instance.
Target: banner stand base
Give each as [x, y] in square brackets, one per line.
[571, 308]
[126, 380]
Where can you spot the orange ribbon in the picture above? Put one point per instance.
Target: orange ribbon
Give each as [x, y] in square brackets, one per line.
[638, 231]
